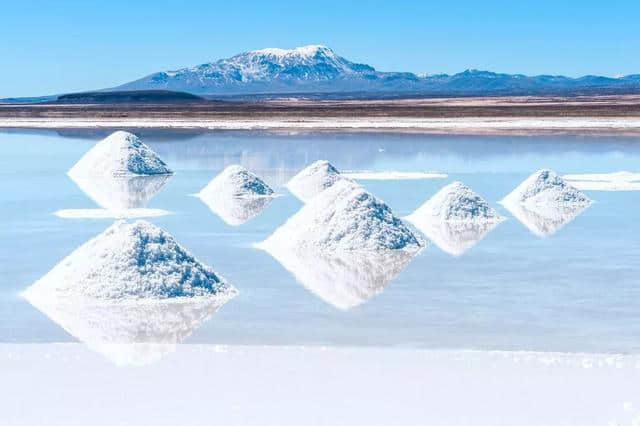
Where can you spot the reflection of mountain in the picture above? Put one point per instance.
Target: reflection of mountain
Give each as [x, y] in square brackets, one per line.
[345, 279]
[456, 237]
[131, 333]
[236, 210]
[545, 219]
[121, 193]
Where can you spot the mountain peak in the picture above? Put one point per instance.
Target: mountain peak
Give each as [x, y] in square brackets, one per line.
[308, 51]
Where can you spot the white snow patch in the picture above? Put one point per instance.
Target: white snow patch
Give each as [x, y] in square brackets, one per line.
[121, 154]
[236, 195]
[543, 189]
[618, 181]
[110, 213]
[313, 179]
[344, 217]
[392, 175]
[129, 262]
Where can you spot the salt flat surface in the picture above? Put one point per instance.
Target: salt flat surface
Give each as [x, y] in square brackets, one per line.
[287, 385]
[368, 123]
[110, 213]
[392, 175]
[618, 181]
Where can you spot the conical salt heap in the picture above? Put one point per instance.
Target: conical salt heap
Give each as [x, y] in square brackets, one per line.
[545, 203]
[344, 217]
[314, 179]
[236, 195]
[121, 154]
[129, 262]
[455, 218]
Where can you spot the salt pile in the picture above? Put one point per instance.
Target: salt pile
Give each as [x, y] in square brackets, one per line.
[131, 333]
[129, 262]
[314, 179]
[545, 203]
[455, 218]
[119, 155]
[346, 279]
[545, 188]
[618, 181]
[344, 217]
[236, 195]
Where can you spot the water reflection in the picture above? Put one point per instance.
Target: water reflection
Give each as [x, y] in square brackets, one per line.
[345, 279]
[455, 237]
[133, 333]
[236, 210]
[546, 219]
[118, 197]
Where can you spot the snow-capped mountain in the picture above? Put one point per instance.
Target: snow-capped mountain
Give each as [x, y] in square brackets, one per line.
[317, 68]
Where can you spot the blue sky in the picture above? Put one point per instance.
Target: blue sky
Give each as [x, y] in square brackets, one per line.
[55, 47]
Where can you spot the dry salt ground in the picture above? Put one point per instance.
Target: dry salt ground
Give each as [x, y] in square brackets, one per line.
[129, 262]
[545, 203]
[455, 218]
[618, 181]
[314, 179]
[121, 174]
[236, 195]
[392, 175]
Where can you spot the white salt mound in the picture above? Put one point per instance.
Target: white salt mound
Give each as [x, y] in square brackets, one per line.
[314, 179]
[236, 181]
[344, 217]
[545, 187]
[455, 202]
[119, 155]
[129, 261]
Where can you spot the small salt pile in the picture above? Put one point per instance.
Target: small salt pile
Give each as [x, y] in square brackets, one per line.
[545, 203]
[129, 262]
[314, 179]
[236, 195]
[455, 218]
[121, 154]
[344, 217]
[545, 187]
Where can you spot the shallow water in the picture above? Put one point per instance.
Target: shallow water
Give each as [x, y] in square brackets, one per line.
[536, 285]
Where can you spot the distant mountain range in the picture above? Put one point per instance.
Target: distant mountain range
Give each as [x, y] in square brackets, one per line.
[317, 69]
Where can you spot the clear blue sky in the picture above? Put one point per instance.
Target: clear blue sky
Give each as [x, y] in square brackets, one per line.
[49, 47]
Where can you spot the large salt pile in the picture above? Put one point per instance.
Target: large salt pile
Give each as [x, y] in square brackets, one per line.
[314, 179]
[344, 217]
[545, 187]
[455, 218]
[236, 195]
[545, 203]
[131, 333]
[129, 262]
[119, 155]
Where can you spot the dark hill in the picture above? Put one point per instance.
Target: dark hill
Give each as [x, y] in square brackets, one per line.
[128, 97]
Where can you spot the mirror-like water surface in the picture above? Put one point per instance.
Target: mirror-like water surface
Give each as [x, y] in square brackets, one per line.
[551, 281]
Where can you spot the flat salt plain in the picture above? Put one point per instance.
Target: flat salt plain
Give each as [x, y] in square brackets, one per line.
[518, 329]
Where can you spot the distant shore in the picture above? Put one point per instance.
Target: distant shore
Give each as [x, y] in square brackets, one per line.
[491, 115]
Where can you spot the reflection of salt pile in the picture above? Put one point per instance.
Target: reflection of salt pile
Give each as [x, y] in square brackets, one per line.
[344, 245]
[618, 181]
[236, 195]
[129, 261]
[345, 279]
[455, 218]
[121, 175]
[120, 154]
[313, 179]
[131, 333]
[544, 202]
